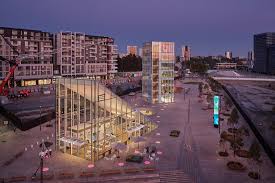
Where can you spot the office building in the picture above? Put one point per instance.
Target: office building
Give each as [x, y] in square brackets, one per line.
[37, 68]
[158, 72]
[85, 55]
[264, 52]
[250, 59]
[228, 55]
[186, 53]
[91, 120]
[133, 50]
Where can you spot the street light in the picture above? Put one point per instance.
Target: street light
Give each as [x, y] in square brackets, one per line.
[40, 118]
[44, 153]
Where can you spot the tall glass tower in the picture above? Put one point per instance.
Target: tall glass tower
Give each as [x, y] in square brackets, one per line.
[158, 72]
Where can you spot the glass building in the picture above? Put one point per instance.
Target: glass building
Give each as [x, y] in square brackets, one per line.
[158, 72]
[264, 53]
[90, 118]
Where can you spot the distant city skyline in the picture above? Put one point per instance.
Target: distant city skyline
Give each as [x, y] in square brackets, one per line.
[208, 28]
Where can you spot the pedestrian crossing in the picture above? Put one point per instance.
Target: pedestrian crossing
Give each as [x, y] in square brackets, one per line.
[175, 176]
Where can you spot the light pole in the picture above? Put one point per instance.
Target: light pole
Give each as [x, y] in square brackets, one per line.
[44, 153]
[40, 118]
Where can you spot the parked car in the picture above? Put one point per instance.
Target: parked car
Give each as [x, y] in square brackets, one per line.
[134, 158]
[174, 133]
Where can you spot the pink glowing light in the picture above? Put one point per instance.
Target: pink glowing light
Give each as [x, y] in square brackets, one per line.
[157, 142]
[45, 169]
[159, 152]
[158, 134]
[121, 164]
[137, 152]
[147, 162]
[91, 166]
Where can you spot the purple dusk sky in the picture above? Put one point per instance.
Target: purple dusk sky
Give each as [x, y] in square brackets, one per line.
[210, 27]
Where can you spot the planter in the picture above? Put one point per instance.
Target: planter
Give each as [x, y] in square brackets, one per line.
[233, 130]
[223, 154]
[254, 175]
[230, 138]
[234, 165]
[243, 153]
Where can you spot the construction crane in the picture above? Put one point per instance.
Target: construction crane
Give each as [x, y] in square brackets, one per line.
[14, 64]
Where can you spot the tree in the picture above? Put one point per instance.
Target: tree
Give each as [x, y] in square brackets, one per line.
[228, 103]
[255, 154]
[200, 88]
[234, 117]
[129, 63]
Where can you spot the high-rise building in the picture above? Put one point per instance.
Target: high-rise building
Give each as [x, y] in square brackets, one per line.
[158, 72]
[34, 70]
[264, 50]
[86, 55]
[133, 50]
[186, 53]
[228, 55]
[250, 59]
[140, 52]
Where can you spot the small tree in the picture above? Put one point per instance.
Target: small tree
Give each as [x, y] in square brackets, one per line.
[255, 154]
[228, 103]
[209, 97]
[200, 89]
[206, 87]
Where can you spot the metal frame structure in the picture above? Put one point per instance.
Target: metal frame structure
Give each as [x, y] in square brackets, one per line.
[90, 118]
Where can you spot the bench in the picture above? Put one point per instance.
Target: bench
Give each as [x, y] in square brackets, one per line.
[45, 177]
[131, 170]
[65, 175]
[110, 172]
[17, 179]
[149, 169]
[86, 174]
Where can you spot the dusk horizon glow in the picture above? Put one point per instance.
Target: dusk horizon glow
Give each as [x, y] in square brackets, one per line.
[209, 28]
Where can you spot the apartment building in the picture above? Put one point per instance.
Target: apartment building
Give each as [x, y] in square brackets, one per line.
[75, 54]
[158, 72]
[34, 70]
[84, 55]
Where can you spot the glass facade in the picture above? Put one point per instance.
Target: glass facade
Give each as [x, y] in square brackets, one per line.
[158, 72]
[90, 118]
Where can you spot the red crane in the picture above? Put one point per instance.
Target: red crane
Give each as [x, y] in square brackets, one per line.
[13, 65]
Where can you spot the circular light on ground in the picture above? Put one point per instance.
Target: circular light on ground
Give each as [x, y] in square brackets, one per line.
[158, 121]
[91, 166]
[45, 169]
[158, 134]
[137, 152]
[157, 142]
[162, 109]
[121, 164]
[159, 152]
[158, 116]
[147, 162]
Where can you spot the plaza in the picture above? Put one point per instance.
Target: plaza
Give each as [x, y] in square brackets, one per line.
[194, 152]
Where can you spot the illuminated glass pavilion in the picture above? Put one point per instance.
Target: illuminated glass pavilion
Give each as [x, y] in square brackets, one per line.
[90, 118]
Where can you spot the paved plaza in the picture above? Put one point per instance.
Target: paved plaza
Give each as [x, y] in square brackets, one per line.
[193, 153]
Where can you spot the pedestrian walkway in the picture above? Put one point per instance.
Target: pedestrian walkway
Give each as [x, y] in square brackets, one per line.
[174, 176]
